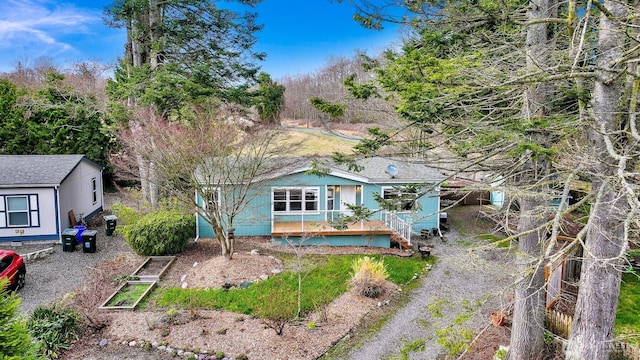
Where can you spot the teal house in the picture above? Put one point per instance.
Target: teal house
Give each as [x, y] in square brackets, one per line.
[291, 204]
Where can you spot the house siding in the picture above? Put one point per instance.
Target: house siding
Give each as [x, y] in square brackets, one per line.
[338, 240]
[76, 192]
[256, 218]
[43, 223]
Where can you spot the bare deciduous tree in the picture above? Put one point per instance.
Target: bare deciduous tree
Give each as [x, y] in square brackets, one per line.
[207, 156]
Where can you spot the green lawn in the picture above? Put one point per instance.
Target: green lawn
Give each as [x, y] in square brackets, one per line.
[627, 319]
[321, 285]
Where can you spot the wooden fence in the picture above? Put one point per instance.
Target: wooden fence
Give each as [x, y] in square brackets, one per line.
[560, 324]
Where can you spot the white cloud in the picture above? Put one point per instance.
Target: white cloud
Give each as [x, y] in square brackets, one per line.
[35, 28]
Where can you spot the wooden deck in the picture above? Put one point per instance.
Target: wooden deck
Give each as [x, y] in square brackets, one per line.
[325, 229]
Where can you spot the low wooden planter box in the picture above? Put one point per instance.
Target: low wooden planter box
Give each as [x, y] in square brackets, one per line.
[128, 295]
[153, 268]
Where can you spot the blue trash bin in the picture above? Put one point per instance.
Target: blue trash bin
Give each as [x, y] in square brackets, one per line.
[80, 229]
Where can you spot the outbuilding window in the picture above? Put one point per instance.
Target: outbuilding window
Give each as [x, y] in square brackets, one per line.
[94, 190]
[19, 211]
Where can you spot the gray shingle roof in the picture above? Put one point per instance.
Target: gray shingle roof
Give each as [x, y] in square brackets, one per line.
[375, 169]
[42, 170]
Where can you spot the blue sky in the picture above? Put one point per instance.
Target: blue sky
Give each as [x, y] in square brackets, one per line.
[299, 35]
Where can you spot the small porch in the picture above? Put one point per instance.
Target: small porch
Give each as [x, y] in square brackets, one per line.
[362, 233]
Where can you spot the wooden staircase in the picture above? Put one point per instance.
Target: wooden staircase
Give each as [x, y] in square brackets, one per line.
[404, 243]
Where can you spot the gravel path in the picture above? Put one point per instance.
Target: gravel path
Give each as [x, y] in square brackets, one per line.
[56, 274]
[461, 283]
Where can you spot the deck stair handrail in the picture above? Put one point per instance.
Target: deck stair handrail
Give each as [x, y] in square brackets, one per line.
[395, 223]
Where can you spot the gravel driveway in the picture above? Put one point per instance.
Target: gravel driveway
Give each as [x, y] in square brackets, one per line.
[54, 275]
[461, 283]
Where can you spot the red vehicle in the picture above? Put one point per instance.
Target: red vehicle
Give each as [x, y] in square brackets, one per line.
[12, 267]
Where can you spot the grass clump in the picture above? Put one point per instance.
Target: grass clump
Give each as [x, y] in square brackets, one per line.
[128, 295]
[54, 327]
[454, 339]
[413, 347]
[369, 277]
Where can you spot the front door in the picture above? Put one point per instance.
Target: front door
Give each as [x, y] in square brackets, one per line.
[347, 196]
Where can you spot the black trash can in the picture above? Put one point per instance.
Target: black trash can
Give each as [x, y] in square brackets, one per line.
[69, 239]
[89, 241]
[110, 222]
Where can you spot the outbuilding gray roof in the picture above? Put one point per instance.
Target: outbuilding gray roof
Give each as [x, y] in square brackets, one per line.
[37, 170]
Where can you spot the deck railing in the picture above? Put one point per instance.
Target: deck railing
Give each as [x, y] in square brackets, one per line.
[390, 219]
[395, 223]
[311, 217]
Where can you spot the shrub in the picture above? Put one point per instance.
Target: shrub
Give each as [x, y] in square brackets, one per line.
[369, 277]
[160, 233]
[15, 342]
[278, 307]
[54, 327]
[126, 216]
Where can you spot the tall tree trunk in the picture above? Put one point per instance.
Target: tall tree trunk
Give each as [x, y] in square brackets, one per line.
[594, 318]
[527, 340]
[155, 21]
[527, 335]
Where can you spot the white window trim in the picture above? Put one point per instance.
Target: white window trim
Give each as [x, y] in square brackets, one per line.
[9, 212]
[205, 202]
[382, 190]
[287, 201]
[94, 190]
[331, 198]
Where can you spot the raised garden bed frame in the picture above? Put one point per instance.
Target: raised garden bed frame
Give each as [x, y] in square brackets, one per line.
[106, 306]
[140, 278]
[153, 277]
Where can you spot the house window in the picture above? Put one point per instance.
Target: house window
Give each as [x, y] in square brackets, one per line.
[402, 201]
[331, 197]
[94, 190]
[17, 211]
[295, 199]
[211, 198]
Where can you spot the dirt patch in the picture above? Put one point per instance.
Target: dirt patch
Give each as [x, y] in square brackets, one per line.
[219, 272]
[236, 334]
[201, 266]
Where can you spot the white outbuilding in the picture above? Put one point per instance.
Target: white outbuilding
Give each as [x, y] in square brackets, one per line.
[40, 193]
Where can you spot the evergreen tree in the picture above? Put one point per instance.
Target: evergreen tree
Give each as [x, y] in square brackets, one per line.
[15, 342]
[179, 54]
[269, 99]
[537, 93]
[53, 118]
